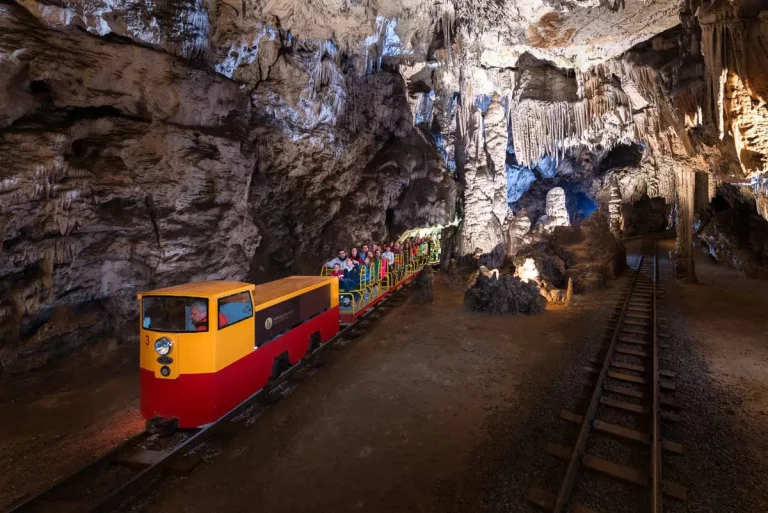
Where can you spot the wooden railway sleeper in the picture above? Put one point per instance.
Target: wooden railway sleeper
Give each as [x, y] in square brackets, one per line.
[613, 469]
[621, 431]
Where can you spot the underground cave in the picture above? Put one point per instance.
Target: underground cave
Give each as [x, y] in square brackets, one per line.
[384, 255]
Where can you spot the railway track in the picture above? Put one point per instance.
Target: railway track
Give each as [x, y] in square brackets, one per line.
[125, 474]
[630, 402]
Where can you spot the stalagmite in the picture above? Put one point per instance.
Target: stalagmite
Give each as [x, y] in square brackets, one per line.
[614, 210]
[485, 197]
[495, 122]
[556, 211]
[686, 195]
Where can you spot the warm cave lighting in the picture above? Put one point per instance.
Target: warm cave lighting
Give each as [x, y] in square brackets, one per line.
[528, 271]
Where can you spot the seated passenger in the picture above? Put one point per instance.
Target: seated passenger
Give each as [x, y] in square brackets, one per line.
[350, 265]
[338, 260]
[351, 280]
[381, 265]
[354, 255]
[388, 255]
[369, 270]
[337, 271]
[199, 314]
[364, 250]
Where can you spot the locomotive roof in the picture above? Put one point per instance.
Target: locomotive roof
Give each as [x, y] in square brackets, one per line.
[280, 290]
[264, 294]
[211, 288]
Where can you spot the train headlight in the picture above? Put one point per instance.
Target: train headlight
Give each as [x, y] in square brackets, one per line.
[163, 346]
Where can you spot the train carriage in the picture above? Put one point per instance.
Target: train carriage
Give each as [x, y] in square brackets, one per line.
[208, 346]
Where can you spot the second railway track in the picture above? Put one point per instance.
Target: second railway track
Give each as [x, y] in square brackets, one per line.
[631, 400]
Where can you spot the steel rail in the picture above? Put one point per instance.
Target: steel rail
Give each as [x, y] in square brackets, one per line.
[566, 490]
[656, 492]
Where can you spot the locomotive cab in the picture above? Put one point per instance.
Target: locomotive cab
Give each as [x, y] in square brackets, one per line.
[188, 333]
[206, 347]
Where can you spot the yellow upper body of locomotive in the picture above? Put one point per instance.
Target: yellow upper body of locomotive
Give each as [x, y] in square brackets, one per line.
[174, 341]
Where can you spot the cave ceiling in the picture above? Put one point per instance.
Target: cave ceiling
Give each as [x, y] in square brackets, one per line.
[145, 143]
[571, 33]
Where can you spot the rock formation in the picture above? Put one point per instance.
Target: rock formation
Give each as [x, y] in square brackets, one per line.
[424, 286]
[556, 211]
[148, 143]
[504, 295]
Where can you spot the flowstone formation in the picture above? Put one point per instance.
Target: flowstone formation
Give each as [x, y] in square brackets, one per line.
[150, 143]
[556, 211]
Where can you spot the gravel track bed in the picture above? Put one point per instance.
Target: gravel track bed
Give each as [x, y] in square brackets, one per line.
[716, 467]
[514, 460]
[721, 474]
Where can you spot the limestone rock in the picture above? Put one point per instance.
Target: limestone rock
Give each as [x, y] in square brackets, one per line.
[505, 296]
[556, 211]
[485, 193]
[590, 252]
[424, 286]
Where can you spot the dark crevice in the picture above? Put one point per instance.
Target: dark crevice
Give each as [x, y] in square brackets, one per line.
[52, 118]
[622, 155]
[39, 87]
[103, 111]
[149, 201]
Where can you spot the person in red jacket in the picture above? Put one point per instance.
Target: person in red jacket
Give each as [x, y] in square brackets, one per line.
[354, 255]
[199, 314]
[337, 271]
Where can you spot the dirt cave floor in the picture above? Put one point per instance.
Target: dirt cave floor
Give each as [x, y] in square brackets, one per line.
[727, 317]
[55, 420]
[431, 409]
[393, 421]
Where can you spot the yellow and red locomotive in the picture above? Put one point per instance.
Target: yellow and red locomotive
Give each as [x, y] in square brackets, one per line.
[208, 346]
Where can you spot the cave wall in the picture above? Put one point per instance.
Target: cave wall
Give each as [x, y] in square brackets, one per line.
[131, 162]
[147, 143]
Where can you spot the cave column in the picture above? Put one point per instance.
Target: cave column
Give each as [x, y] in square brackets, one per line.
[485, 208]
[614, 210]
[686, 195]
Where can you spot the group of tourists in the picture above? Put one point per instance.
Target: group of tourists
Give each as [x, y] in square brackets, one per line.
[371, 263]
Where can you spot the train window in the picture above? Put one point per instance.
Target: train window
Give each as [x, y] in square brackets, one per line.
[235, 308]
[174, 314]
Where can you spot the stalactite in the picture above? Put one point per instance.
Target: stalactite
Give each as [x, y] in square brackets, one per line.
[446, 25]
[540, 128]
[713, 48]
[712, 186]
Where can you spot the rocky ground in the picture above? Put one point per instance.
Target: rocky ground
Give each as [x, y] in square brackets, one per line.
[728, 329]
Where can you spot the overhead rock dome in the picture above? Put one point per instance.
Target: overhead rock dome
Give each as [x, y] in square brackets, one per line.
[149, 143]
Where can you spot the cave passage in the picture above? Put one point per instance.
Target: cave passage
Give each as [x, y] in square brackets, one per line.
[464, 189]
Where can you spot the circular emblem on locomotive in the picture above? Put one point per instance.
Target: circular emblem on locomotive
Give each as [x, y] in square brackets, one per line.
[268, 323]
